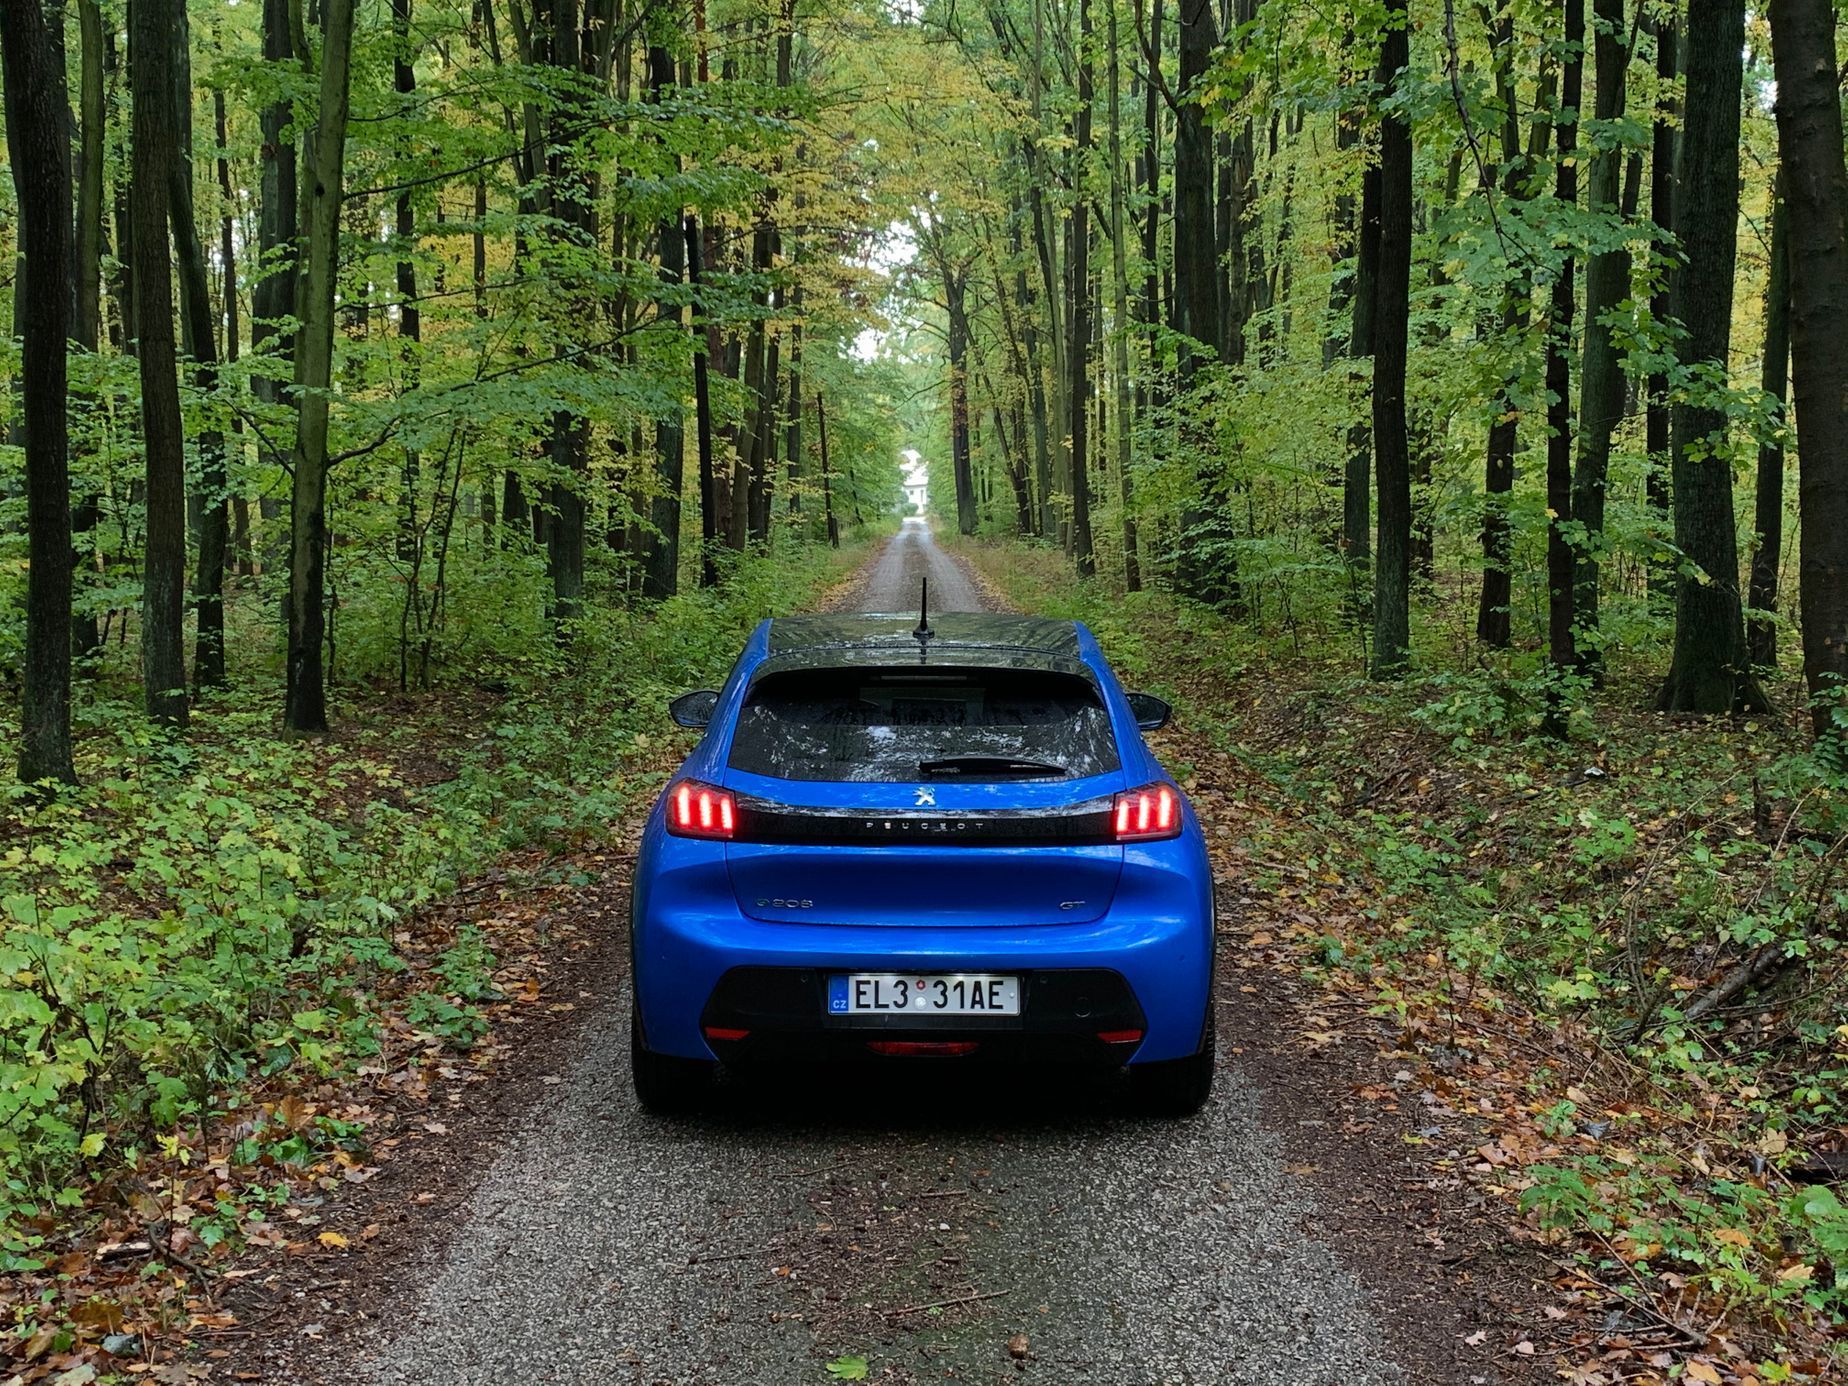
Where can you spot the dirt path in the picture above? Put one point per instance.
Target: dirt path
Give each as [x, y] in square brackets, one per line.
[952, 1228]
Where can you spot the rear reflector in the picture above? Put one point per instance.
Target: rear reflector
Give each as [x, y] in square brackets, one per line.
[1119, 1036]
[942, 1049]
[699, 810]
[1154, 811]
[724, 1032]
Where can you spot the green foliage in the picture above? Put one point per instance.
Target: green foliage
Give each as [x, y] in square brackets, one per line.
[208, 912]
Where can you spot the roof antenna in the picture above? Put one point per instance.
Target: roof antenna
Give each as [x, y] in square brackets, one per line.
[923, 632]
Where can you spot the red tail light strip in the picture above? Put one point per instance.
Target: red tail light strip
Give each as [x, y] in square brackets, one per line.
[1142, 815]
[699, 810]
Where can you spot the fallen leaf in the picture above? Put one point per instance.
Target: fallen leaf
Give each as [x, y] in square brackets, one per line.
[334, 1240]
[1017, 1345]
[1701, 1371]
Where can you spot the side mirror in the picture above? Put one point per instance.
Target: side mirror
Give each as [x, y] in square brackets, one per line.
[1151, 713]
[694, 709]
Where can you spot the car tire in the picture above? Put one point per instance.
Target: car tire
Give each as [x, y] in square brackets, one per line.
[666, 1085]
[1177, 1087]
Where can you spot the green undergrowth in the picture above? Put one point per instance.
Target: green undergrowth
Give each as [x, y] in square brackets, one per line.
[1476, 878]
[219, 908]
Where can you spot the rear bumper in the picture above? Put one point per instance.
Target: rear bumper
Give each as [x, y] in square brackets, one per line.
[699, 961]
[779, 1014]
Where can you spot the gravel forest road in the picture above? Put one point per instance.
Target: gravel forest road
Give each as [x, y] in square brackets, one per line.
[942, 1228]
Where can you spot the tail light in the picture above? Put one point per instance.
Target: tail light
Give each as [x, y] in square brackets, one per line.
[699, 810]
[1142, 815]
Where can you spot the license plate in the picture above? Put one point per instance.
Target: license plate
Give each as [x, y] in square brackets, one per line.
[910, 993]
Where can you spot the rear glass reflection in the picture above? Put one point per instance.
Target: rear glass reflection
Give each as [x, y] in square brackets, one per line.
[912, 725]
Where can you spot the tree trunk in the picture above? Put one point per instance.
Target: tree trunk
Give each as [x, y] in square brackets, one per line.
[827, 493]
[86, 326]
[306, 706]
[199, 338]
[661, 546]
[1710, 671]
[1391, 323]
[410, 320]
[1357, 481]
[38, 145]
[1079, 354]
[570, 440]
[1601, 382]
[1768, 506]
[155, 33]
[953, 288]
[1560, 560]
[1119, 337]
[238, 557]
[1809, 125]
[1200, 573]
[1663, 140]
[273, 292]
[709, 499]
[1493, 614]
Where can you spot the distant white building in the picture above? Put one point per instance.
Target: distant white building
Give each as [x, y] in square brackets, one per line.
[916, 475]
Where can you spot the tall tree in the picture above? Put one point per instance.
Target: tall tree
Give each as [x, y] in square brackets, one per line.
[87, 324]
[1710, 671]
[1079, 354]
[198, 338]
[1663, 141]
[156, 30]
[1607, 285]
[1195, 310]
[1391, 327]
[1561, 572]
[661, 547]
[1768, 490]
[1119, 281]
[38, 145]
[305, 708]
[1809, 125]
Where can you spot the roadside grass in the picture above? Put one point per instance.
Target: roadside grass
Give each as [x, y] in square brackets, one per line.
[1553, 936]
[224, 945]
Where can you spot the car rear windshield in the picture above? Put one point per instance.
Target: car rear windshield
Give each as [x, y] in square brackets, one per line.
[912, 724]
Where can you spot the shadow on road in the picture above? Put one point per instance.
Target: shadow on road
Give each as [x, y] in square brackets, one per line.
[922, 1096]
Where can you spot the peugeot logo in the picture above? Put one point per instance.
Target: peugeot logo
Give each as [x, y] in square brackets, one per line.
[927, 797]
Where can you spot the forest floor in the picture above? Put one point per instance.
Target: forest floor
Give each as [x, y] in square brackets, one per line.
[1355, 1205]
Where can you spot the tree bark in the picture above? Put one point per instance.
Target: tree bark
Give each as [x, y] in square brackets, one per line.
[1391, 323]
[661, 546]
[155, 33]
[1119, 337]
[87, 325]
[410, 319]
[199, 340]
[38, 145]
[1079, 354]
[1607, 284]
[1710, 671]
[709, 499]
[305, 708]
[1493, 613]
[1768, 498]
[1809, 124]
[1662, 148]
[954, 288]
[1561, 565]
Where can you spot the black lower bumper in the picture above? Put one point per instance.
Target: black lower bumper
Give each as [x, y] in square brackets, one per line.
[1067, 1015]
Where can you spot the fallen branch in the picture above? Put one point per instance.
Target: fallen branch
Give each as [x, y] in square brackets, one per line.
[947, 1303]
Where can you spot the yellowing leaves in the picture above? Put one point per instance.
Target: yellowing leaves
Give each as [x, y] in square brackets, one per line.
[333, 1241]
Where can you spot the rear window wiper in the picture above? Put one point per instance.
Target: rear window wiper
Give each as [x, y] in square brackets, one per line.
[979, 765]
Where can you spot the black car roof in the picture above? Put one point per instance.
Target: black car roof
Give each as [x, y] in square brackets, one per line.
[965, 629]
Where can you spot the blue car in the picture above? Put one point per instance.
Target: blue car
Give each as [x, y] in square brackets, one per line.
[901, 841]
